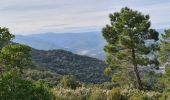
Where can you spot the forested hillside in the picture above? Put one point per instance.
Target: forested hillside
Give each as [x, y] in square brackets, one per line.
[86, 69]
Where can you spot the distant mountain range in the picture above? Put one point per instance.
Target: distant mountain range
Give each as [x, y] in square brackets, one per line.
[86, 43]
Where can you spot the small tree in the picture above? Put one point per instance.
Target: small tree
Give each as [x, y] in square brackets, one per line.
[5, 36]
[69, 81]
[126, 38]
[15, 55]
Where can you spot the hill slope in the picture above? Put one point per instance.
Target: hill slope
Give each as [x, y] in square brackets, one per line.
[86, 69]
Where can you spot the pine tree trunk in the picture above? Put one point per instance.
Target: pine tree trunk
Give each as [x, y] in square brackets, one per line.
[138, 79]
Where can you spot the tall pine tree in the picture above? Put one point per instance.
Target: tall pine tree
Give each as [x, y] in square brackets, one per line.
[126, 47]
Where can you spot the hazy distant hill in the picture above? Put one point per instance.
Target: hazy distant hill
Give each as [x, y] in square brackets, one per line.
[86, 69]
[87, 43]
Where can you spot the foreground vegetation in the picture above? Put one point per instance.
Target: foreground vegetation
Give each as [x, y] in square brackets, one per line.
[134, 53]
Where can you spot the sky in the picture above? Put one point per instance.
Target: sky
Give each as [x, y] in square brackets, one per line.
[58, 16]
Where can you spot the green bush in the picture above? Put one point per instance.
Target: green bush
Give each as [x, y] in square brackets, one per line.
[13, 87]
[135, 94]
[42, 91]
[98, 94]
[69, 81]
[139, 96]
[165, 96]
[115, 94]
[108, 85]
[70, 94]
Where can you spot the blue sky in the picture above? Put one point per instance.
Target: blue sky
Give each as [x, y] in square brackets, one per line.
[41, 16]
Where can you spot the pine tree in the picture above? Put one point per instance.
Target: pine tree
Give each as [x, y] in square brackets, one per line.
[126, 47]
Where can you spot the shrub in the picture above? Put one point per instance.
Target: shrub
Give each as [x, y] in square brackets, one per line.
[42, 91]
[13, 87]
[135, 94]
[115, 94]
[69, 94]
[139, 96]
[108, 85]
[165, 96]
[98, 94]
[69, 81]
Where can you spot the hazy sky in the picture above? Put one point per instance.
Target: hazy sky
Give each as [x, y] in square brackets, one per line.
[40, 16]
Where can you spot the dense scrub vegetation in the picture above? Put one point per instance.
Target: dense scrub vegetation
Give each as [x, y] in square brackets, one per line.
[85, 69]
[13, 59]
[133, 56]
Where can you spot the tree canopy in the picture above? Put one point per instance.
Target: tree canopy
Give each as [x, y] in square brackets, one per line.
[15, 55]
[5, 36]
[126, 48]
